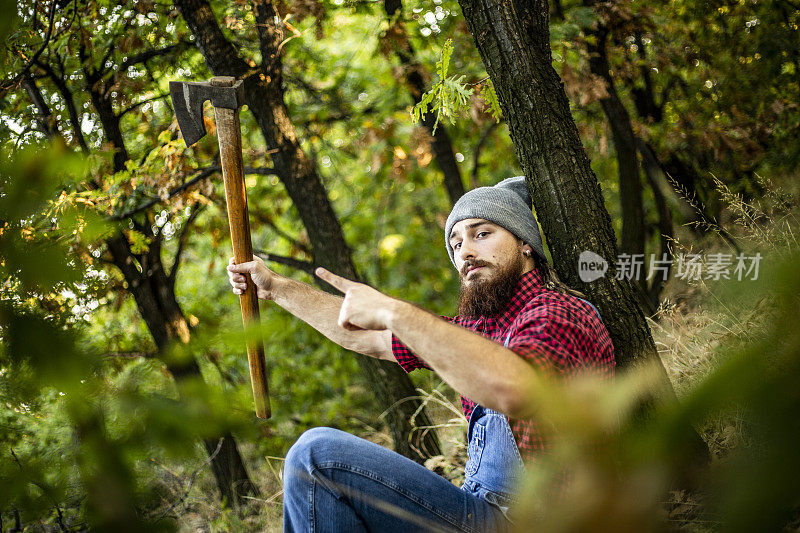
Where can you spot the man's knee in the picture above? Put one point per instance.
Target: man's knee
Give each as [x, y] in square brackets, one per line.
[313, 446]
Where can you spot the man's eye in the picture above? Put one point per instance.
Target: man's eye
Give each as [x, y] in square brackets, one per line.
[456, 246]
[482, 233]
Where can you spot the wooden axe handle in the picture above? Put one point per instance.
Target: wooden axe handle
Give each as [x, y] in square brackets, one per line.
[230, 152]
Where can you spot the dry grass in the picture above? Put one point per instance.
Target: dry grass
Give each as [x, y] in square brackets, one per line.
[697, 321]
[189, 498]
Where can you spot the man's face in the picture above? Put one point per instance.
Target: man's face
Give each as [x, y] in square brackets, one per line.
[481, 249]
[490, 263]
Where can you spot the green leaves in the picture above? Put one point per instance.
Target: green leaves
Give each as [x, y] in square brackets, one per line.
[7, 22]
[450, 96]
[139, 241]
[444, 63]
[447, 97]
[490, 97]
[349, 106]
[34, 253]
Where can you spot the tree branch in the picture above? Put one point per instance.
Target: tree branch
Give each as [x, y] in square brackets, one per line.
[334, 98]
[69, 101]
[71, 21]
[41, 49]
[46, 489]
[137, 104]
[203, 174]
[299, 264]
[342, 115]
[47, 123]
[145, 56]
[132, 355]
[441, 144]
[265, 219]
[191, 480]
[673, 81]
[477, 154]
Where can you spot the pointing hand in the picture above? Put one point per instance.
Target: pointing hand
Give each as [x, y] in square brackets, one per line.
[363, 307]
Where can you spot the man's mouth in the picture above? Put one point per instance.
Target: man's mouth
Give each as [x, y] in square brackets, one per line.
[472, 268]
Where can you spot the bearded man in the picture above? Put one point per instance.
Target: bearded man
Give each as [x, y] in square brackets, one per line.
[515, 323]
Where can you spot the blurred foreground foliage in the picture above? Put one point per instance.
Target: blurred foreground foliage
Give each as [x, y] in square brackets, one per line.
[620, 471]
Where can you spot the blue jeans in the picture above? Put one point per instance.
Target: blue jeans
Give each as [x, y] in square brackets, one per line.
[334, 481]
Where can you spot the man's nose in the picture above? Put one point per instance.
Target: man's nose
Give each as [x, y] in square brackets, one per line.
[466, 251]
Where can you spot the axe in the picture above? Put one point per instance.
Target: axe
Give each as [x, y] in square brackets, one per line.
[227, 96]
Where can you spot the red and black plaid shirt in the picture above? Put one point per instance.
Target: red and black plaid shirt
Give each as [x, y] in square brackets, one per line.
[550, 329]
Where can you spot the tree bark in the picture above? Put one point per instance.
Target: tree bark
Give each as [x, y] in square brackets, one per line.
[264, 97]
[442, 145]
[513, 40]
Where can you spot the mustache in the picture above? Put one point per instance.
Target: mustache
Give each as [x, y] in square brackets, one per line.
[474, 263]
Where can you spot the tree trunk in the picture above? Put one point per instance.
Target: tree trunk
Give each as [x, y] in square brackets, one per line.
[655, 178]
[264, 98]
[442, 145]
[630, 185]
[230, 474]
[513, 40]
[695, 202]
[155, 297]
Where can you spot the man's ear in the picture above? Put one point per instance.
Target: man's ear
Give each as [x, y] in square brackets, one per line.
[527, 250]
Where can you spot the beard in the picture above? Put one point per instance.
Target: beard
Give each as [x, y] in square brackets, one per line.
[489, 297]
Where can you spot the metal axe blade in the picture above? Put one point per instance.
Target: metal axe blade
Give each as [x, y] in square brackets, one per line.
[188, 98]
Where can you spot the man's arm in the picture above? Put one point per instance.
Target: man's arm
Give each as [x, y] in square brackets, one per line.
[317, 308]
[475, 366]
[320, 310]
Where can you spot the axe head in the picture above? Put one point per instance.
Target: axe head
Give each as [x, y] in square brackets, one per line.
[188, 97]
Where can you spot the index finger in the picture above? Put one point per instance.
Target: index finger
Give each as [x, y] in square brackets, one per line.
[338, 282]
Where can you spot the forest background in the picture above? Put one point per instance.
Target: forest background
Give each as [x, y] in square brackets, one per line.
[125, 394]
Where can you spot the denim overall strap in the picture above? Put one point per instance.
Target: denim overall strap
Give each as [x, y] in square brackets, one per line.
[596, 310]
[495, 468]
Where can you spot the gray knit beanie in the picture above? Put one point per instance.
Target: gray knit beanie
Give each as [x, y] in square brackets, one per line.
[507, 204]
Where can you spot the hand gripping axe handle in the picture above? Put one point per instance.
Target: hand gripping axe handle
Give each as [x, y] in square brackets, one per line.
[227, 96]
